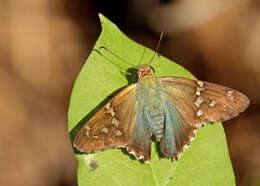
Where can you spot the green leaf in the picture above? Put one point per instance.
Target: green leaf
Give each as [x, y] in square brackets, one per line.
[205, 162]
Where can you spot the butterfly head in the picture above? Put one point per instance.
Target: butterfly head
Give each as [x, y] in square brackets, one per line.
[144, 70]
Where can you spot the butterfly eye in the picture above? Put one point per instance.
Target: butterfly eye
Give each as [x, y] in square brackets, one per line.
[139, 73]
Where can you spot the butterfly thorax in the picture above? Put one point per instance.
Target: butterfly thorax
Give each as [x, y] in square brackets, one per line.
[149, 93]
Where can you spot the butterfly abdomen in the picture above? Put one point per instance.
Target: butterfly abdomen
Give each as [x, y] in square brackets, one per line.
[150, 95]
[157, 117]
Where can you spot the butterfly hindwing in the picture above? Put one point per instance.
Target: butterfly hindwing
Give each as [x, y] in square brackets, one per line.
[178, 132]
[111, 127]
[141, 143]
[200, 102]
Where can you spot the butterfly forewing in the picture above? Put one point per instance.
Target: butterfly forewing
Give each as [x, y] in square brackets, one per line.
[112, 126]
[201, 102]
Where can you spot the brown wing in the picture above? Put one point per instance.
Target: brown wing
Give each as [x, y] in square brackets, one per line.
[112, 126]
[201, 102]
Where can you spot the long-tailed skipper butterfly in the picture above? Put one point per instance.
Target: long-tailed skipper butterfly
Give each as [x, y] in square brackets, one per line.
[169, 108]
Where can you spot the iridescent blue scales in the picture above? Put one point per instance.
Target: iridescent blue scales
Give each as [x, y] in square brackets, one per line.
[170, 109]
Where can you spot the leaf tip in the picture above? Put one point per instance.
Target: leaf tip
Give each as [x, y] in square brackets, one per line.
[106, 24]
[103, 20]
[101, 17]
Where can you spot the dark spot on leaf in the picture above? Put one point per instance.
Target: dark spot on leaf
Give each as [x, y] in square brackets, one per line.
[93, 164]
[170, 178]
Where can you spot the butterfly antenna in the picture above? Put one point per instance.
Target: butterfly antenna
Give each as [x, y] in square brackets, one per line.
[157, 48]
[106, 49]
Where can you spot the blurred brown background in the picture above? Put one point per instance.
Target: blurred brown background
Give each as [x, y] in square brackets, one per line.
[44, 43]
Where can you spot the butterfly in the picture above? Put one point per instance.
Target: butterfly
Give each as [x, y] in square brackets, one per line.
[170, 109]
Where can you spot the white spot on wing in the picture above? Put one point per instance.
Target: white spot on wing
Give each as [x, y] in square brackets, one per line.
[185, 147]
[87, 127]
[200, 83]
[229, 95]
[140, 157]
[108, 106]
[105, 130]
[118, 133]
[213, 103]
[198, 91]
[132, 152]
[115, 122]
[199, 112]
[111, 111]
[198, 101]
[87, 130]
